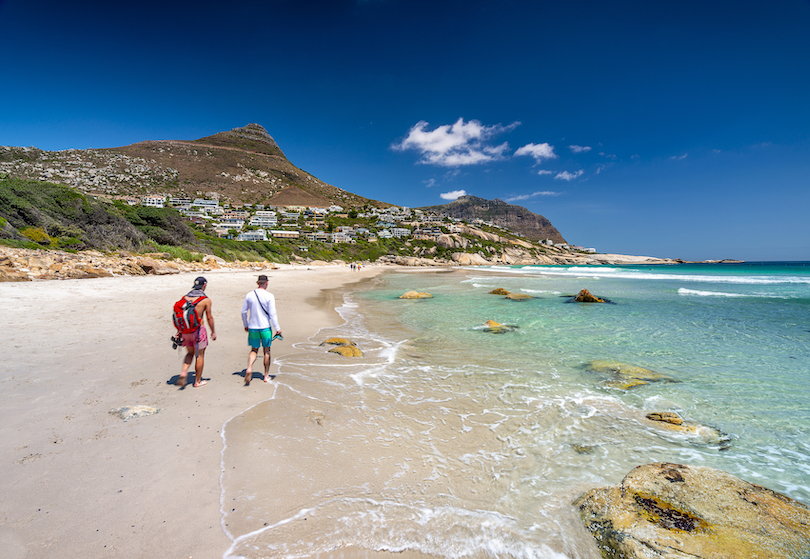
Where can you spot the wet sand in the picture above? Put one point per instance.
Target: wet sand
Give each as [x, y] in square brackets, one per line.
[80, 482]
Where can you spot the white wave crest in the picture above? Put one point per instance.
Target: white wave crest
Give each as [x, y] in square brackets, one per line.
[540, 291]
[698, 293]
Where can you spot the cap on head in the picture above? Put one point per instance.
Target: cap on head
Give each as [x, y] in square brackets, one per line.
[200, 282]
[262, 279]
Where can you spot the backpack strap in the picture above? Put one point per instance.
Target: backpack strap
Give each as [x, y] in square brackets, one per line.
[256, 293]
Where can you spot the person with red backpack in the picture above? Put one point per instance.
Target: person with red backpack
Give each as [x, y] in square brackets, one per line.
[188, 318]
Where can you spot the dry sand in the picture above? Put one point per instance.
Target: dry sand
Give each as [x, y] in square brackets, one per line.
[78, 482]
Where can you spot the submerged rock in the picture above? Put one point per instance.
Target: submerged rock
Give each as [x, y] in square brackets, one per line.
[672, 511]
[416, 295]
[674, 422]
[499, 291]
[626, 376]
[347, 351]
[128, 412]
[583, 448]
[497, 328]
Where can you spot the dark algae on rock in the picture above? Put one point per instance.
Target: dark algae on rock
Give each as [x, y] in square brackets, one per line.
[673, 511]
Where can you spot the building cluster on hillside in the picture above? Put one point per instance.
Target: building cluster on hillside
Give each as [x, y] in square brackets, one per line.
[258, 222]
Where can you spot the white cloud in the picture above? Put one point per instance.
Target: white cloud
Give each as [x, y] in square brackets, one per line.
[538, 151]
[462, 143]
[679, 157]
[544, 172]
[566, 176]
[429, 183]
[532, 195]
[453, 194]
[580, 149]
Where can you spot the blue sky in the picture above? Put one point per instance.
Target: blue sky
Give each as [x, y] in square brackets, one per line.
[677, 129]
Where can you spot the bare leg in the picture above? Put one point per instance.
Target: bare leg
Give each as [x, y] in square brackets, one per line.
[267, 361]
[181, 382]
[198, 369]
[254, 351]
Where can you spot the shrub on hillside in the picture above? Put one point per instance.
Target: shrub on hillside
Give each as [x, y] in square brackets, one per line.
[36, 234]
[66, 216]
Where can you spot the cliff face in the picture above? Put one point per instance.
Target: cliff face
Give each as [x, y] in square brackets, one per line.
[516, 218]
[243, 165]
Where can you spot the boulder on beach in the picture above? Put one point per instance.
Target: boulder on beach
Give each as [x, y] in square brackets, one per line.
[467, 259]
[518, 297]
[152, 266]
[499, 291]
[626, 376]
[673, 511]
[82, 271]
[10, 274]
[337, 341]
[585, 296]
[416, 295]
[707, 434]
[347, 351]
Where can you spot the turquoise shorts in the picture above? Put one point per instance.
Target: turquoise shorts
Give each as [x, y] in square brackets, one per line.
[260, 338]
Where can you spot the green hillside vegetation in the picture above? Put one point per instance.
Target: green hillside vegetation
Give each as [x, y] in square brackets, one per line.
[45, 215]
[42, 215]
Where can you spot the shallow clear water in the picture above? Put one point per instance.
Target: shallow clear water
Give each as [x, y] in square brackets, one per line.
[454, 441]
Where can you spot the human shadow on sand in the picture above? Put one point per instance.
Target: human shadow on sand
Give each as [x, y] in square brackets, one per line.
[190, 378]
[256, 375]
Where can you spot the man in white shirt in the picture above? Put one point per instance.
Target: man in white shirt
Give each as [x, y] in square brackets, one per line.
[258, 314]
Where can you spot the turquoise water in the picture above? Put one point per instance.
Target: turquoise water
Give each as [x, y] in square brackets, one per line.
[476, 444]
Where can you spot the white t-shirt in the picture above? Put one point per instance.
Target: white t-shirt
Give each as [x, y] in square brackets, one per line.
[260, 303]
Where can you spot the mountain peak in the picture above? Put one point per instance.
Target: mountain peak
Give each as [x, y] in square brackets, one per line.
[517, 218]
[252, 137]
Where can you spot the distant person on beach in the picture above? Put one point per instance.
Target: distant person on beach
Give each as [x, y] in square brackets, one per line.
[196, 342]
[258, 314]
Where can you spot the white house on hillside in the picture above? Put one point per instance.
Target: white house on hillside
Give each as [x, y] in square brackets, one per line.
[153, 201]
[257, 235]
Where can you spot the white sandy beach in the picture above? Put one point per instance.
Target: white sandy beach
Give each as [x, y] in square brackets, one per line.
[79, 482]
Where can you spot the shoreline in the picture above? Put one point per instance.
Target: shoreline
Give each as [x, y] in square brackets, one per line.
[22, 264]
[81, 482]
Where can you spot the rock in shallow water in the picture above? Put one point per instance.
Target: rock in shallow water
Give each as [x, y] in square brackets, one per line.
[497, 328]
[626, 376]
[703, 433]
[416, 295]
[519, 297]
[347, 351]
[337, 341]
[585, 296]
[672, 511]
[499, 291]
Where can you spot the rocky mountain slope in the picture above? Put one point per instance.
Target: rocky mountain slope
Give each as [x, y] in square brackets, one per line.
[515, 218]
[243, 165]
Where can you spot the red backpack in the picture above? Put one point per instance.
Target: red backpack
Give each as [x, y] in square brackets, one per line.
[185, 315]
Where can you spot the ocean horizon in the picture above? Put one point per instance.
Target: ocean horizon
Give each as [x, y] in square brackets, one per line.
[452, 440]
